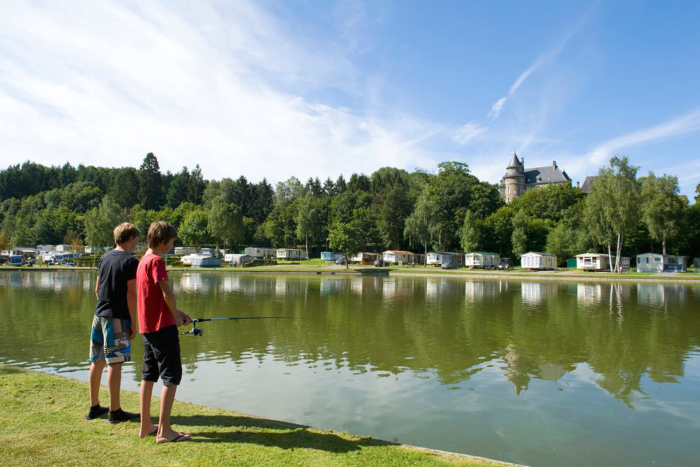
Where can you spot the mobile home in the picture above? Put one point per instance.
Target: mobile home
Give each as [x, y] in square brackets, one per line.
[482, 259]
[598, 262]
[331, 256]
[261, 252]
[202, 261]
[291, 254]
[185, 250]
[365, 258]
[438, 258]
[538, 260]
[237, 259]
[656, 262]
[399, 257]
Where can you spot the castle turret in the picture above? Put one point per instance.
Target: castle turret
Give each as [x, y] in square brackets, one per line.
[513, 182]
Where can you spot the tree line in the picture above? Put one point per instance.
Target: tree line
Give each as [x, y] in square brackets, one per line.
[449, 209]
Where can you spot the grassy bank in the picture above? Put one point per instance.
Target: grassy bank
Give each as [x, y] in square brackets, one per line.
[41, 423]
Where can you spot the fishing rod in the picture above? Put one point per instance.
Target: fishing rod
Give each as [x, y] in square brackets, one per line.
[200, 332]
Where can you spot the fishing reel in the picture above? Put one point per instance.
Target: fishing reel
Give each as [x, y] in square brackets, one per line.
[195, 331]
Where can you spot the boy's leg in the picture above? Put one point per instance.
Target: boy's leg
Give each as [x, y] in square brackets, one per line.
[165, 431]
[149, 372]
[97, 365]
[147, 426]
[167, 352]
[94, 380]
[114, 385]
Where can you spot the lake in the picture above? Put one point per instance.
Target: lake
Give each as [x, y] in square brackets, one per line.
[540, 373]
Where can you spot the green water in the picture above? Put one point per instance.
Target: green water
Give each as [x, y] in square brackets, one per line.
[539, 373]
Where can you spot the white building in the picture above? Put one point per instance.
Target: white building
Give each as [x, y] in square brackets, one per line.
[482, 259]
[399, 257]
[261, 252]
[599, 262]
[185, 250]
[538, 260]
[365, 258]
[291, 254]
[656, 262]
[237, 258]
[204, 261]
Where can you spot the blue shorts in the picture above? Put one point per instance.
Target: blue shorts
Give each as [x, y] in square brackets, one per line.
[109, 340]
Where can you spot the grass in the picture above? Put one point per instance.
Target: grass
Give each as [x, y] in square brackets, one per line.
[41, 423]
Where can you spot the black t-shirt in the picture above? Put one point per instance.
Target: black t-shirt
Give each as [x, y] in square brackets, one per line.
[115, 270]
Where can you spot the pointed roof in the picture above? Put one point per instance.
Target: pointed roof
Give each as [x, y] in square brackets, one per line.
[515, 162]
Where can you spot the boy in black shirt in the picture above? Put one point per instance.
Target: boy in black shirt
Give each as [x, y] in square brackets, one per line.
[114, 323]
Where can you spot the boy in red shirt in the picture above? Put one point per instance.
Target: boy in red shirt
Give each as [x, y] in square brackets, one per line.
[158, 321]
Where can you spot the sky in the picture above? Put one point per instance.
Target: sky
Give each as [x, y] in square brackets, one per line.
[305, 88]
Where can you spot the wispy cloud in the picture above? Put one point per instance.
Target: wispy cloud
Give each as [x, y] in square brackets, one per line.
[684, 124]
[496, 108]
[468, 132]
[543, 59]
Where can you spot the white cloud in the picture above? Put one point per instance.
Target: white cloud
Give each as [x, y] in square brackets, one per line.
[103, 83]
[543, 59]
[678, 126]
[496, 108]
[468, 132]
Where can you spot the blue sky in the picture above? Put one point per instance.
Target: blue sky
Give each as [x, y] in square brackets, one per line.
[319, 88]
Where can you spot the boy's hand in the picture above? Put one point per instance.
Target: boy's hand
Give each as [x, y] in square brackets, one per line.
[132, 332]
[182, 318]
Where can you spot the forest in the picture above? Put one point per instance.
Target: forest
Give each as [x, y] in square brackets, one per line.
[449, 209]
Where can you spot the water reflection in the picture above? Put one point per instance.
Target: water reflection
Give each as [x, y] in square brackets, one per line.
[490, 342]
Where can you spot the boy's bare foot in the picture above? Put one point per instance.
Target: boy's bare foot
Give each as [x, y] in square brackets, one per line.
[178, 437]
[148, 431]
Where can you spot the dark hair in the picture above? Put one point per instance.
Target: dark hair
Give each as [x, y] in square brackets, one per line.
[125, 232]
[160, 233]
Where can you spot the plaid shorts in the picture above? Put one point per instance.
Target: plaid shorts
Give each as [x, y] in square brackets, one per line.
[109, 340]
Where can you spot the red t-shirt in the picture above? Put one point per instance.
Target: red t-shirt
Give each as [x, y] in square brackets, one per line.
[154, 313]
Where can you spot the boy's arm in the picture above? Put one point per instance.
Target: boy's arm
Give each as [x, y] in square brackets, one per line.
[179, 316]
[131, 304]
[97, 288]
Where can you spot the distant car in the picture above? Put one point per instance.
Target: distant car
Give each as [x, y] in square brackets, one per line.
[449, 265]
[340, 260]
[379, 263]
[505, 264]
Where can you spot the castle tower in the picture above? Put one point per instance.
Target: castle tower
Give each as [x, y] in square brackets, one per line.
[513, 182]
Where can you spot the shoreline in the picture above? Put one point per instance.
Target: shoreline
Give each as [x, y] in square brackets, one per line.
[228, 433]
[403, 272]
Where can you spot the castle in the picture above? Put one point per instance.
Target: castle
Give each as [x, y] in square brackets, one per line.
[518, 179]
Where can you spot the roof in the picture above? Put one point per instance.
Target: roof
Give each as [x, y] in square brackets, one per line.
[538, 253]
[586, 187]
[480, 253]
[515, 162]
[400, 251]
[665, 256]
[549, 174]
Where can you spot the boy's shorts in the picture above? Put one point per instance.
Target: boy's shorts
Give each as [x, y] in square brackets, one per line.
[109, 340]
[161, 356]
